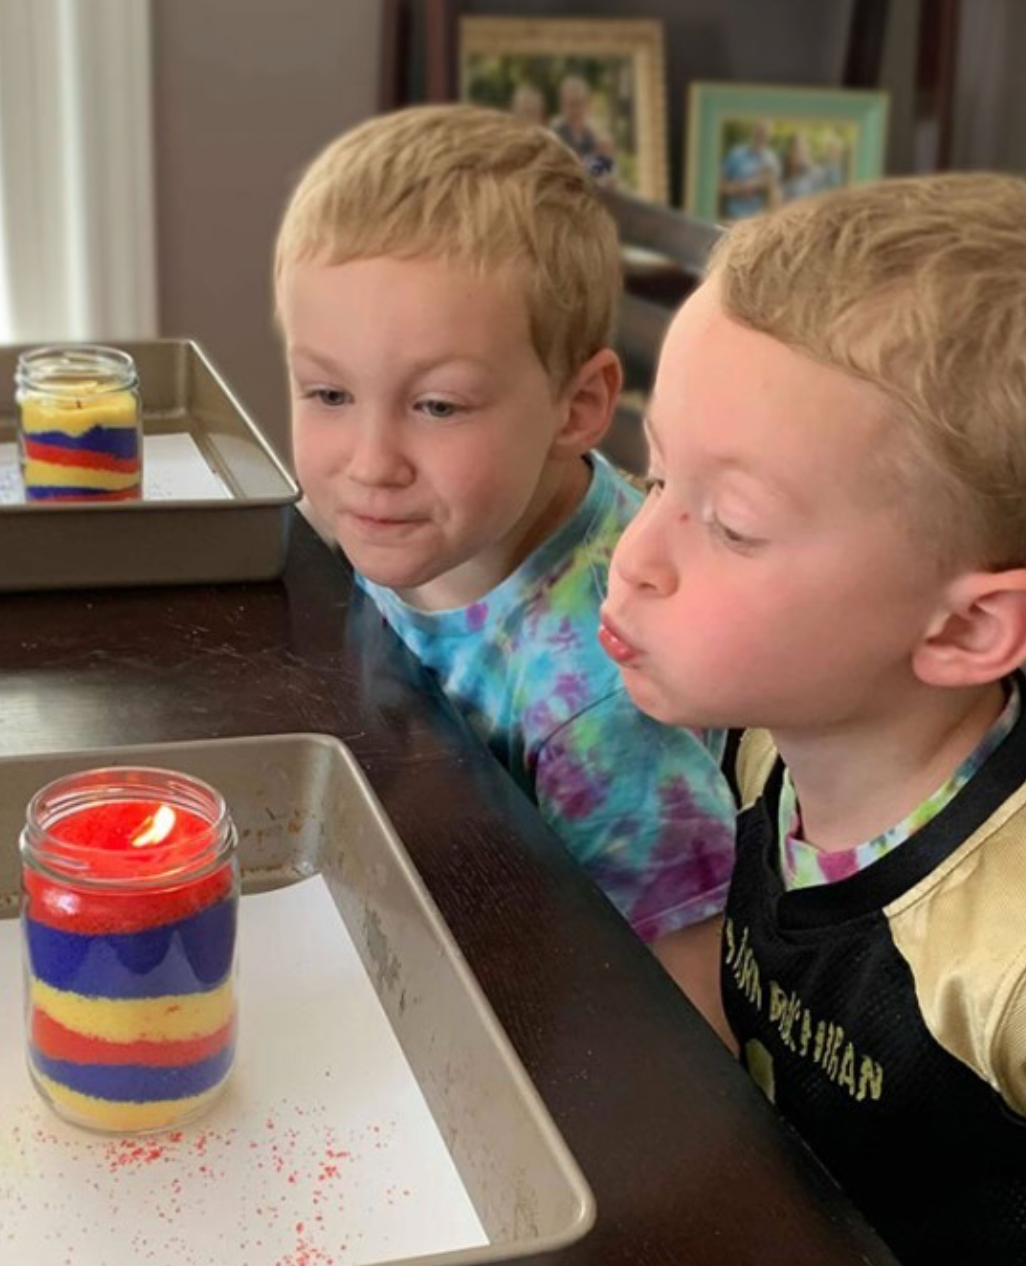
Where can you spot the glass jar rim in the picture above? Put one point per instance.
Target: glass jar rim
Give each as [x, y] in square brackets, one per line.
[61, 369]
[69, 862]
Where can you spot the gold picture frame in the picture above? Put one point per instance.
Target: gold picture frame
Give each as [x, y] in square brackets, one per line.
[609, 77]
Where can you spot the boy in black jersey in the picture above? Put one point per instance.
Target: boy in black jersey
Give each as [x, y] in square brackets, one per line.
[833, 554]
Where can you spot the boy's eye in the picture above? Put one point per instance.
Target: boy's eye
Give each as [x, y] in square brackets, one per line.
[440, 409]
[329, 397]
[729, 536]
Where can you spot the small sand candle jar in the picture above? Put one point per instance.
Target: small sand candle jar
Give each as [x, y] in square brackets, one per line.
[130, 891]
[79, 424]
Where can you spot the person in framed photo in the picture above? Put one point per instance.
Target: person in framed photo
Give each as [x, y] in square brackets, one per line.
[799, 175]
[528, 103]
[807, 168]
[833, 169]
[593, 145]
[750, 175]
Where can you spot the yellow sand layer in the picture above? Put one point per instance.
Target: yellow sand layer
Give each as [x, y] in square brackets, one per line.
[106, 1115]
[172, 1017]
[55, 476]
[77, 415]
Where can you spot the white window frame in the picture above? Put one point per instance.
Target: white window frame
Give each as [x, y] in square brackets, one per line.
[77, 228]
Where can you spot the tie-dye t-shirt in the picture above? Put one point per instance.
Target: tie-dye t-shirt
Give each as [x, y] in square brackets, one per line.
[643, 807]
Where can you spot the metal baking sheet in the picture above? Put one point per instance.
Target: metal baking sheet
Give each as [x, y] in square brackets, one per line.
[174, 535]
[303, 808]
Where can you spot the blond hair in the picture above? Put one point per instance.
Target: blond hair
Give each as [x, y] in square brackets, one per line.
[479, 189]
[917, 286]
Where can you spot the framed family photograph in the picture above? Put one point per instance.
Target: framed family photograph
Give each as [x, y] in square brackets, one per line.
[752, 147]
[599, 84]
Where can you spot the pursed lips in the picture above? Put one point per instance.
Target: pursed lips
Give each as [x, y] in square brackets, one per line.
[614, 643]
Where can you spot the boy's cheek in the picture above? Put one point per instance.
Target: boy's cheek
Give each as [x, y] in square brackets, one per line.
[312, 456]
[304, 470]
[618, 592]
[317, 486]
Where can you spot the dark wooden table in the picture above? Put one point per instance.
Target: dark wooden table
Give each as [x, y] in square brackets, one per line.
[688, 1163]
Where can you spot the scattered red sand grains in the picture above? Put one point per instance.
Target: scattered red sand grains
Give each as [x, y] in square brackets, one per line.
[301, 1173]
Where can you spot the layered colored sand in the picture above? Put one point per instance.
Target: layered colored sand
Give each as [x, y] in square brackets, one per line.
[131, 997]
[81, 448]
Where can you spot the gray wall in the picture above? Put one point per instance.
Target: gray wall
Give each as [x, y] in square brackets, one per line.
[990, 89]
[246, 92]
[898, 77]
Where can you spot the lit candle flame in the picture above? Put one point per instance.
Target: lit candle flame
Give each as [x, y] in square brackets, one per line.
[157, 829]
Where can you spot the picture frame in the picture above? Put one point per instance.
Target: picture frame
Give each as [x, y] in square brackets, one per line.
[599, 83]
[752, 146]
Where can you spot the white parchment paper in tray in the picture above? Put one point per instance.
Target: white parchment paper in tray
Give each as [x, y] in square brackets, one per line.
[174, 469]
[322, 1151]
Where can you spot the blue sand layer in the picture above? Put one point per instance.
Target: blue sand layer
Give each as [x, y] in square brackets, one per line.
[50, 492]
[135, 1083]
[188, 956]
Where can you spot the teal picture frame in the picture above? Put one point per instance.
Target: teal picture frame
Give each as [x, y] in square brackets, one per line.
[751, 147]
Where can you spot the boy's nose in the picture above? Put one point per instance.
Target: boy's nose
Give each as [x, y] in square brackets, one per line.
[640, 562]
[377, 456]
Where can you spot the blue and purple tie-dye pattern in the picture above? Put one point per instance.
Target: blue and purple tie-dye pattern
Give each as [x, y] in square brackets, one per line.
[643, 807]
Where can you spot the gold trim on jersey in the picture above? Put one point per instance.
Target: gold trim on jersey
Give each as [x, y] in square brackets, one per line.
[756, 756]
[962, 931]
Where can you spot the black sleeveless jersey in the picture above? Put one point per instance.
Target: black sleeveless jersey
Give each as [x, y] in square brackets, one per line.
[885, 1014]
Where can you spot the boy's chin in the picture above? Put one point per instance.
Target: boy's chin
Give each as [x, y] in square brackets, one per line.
[321, 525]
[648, 698]
[405, 580]
[387, 568]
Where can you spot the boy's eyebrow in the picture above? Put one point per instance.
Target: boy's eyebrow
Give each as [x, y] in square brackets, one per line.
[313, 358]
[776, 487]
[448, 358]
[325, 363]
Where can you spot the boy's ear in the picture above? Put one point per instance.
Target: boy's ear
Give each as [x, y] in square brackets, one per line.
[589, 401]
[980, 635]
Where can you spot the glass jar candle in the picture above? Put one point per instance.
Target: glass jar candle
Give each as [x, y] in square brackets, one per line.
[130, 890]
[79, 424]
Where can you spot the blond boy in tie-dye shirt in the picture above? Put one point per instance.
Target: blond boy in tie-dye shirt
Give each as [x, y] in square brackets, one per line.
[447, 281]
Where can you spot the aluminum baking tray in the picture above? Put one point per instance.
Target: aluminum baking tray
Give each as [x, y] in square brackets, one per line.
[240, 533]
[302, 807]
